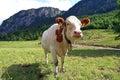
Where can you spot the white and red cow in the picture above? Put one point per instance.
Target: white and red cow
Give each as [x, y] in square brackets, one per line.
[59, 37]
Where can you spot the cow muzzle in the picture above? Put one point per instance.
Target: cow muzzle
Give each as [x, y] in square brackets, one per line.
[77, 34]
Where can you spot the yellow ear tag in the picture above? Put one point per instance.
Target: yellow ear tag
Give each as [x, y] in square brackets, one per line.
[60, 24]
[83, 24]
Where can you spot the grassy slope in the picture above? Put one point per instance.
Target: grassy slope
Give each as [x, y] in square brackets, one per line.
[25, 61]
[100, 37]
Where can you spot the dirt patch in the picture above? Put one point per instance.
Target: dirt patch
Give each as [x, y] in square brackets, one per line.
[95, 47]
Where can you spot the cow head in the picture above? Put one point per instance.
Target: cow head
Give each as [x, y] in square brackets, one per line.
[73, 26]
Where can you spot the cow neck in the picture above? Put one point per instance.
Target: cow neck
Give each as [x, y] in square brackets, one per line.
[67, 40]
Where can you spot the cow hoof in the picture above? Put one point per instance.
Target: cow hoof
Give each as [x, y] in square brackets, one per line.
[56, 75]
[62, 70]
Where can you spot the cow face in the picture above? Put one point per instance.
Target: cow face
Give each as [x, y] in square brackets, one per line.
[73, 26]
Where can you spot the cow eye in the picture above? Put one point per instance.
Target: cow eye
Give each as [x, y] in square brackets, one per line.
[67, 24]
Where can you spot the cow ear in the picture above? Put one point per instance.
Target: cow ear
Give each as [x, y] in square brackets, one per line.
[85, 21]
[60, 21]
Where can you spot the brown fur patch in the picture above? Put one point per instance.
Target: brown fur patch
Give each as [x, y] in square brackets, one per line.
[85, 21]
[59, 35]
[61, 22]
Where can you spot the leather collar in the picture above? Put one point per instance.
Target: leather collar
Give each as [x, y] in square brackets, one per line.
[68, 41]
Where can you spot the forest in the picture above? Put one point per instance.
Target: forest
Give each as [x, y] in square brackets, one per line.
[110, 21]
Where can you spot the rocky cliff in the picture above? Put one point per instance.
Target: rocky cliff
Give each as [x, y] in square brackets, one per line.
[29, 18]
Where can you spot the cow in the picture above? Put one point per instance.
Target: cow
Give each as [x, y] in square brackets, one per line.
[58, 39]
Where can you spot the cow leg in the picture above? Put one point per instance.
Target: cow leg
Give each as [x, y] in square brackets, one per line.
[62, 63]
[46, 56]
[55, 60]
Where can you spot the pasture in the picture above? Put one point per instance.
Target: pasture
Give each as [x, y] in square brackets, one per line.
[100, 37]
[24, 60]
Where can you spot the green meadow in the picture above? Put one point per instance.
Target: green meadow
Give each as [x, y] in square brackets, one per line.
[24, 60]
[100, 37]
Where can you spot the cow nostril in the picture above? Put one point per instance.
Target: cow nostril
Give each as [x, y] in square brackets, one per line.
[77, 32]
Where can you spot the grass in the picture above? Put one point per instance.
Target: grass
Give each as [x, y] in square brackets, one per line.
[100, 37]
[19, 44]
[24, 60]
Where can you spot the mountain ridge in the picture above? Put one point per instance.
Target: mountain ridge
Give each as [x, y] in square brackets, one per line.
[90, 7]
[28, 18]
[37, 18]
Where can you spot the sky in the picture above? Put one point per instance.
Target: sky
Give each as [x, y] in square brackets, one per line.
[10, 7]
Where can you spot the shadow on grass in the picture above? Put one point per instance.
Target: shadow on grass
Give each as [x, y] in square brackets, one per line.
[26, 72]
[94, 53]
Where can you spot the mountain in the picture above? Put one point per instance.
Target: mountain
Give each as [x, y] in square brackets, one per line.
[29, 18]
[90, 7]
[29, 24]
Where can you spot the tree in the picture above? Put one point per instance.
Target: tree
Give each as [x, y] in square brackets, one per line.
[118, 14]
[117, 27]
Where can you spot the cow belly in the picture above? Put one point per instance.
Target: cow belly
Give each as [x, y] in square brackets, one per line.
[47, 40]
[61, 52]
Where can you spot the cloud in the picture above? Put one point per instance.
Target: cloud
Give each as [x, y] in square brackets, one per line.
[61, 4]
[10, 7]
